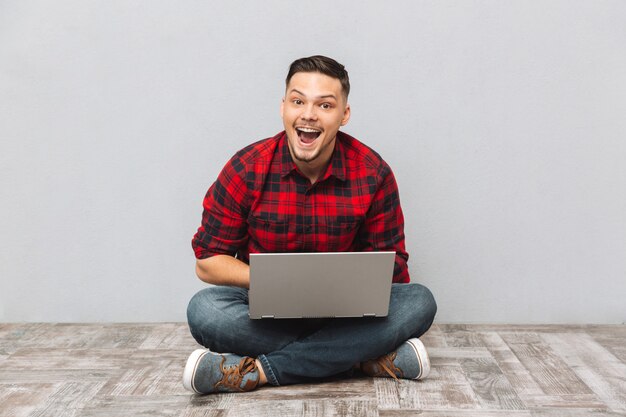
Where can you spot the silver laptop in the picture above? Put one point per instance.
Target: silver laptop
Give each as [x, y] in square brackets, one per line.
[314, 285]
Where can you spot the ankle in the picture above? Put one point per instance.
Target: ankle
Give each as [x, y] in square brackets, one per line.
[262, 378]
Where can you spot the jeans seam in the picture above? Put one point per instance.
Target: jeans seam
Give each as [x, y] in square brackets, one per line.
[269, 372]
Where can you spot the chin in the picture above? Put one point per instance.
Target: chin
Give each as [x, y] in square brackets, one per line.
[306, 156]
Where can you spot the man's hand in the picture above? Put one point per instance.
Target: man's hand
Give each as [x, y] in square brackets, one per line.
[223, 270]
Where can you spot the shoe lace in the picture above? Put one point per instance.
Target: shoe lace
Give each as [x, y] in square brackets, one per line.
[233, 375]
[387, 365]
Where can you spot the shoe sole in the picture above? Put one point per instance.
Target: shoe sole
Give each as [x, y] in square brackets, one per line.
[422, 357]
[189, 373]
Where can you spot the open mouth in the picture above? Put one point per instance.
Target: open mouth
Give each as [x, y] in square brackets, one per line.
[308, 135]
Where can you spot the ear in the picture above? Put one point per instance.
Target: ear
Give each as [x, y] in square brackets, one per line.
[282, 107]
[346, 115]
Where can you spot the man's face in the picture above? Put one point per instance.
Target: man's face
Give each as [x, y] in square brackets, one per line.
[313, 110]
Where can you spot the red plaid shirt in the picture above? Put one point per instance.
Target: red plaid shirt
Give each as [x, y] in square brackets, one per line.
[262, 203]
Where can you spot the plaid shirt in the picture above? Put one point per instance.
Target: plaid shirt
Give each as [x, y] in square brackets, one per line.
[262, 203]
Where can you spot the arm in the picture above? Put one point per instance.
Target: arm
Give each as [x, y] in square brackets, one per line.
[223, 270]
[224, 230]
[383, 229]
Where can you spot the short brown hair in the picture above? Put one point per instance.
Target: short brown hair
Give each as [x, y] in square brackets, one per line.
[324, 65]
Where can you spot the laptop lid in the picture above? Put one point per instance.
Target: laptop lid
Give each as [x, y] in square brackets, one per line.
[312, 285]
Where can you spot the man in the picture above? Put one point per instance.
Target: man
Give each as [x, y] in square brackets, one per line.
[310, 188]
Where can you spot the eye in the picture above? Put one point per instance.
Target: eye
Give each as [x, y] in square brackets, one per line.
[297, 101]
[326, 106]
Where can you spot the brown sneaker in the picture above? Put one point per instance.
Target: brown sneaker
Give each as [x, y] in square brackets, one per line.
[208, 372]
[409, 361]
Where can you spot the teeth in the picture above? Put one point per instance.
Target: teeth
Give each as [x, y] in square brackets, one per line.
[308, 130]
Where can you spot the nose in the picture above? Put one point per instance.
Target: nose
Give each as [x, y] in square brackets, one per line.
[309, 113]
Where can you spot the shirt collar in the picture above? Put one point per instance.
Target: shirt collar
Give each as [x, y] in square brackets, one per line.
[336, 168]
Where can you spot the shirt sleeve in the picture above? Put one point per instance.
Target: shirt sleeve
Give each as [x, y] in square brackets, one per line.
[383, 229]
[224, 224]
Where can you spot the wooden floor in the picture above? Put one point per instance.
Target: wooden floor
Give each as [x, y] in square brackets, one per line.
[109, 370]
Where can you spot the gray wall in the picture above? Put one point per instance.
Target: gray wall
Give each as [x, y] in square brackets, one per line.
[504, 123]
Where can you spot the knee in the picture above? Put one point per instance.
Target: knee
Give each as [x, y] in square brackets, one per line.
[197, 306]
[198, 314]
[425, 302]
[417, 307]
[203, 311]
[213, 311]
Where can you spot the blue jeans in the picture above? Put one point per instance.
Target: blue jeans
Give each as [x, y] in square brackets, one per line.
[303, 350]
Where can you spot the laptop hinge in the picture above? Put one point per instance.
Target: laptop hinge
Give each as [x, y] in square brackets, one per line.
[369, 315]
[268, 317]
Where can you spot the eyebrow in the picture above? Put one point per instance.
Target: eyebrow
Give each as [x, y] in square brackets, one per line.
[293, 90]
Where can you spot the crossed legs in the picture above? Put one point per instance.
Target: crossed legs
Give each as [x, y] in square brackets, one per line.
[295, 351]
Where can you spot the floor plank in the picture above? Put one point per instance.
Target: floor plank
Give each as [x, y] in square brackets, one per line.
[103, 369]
[547, 368]
[602, 372]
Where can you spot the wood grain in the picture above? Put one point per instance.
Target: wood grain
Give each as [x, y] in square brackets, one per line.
[98, 370]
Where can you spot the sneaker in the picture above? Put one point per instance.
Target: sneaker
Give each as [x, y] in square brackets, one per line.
[409, 361]
[208, 372]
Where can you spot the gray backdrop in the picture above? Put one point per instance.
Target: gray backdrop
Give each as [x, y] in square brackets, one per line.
[504, 122]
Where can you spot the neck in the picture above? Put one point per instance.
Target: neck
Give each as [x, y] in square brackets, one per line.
[312, 173]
